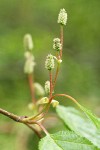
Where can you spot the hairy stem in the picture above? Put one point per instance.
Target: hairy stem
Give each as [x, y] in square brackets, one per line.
[30, 79]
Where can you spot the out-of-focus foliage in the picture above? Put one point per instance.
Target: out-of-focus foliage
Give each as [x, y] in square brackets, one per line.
[80, 70]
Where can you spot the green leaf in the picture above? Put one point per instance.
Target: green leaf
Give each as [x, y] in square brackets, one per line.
[65, 140]
[79, 124]
[92, 117]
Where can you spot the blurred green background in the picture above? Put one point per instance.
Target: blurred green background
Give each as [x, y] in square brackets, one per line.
[80, 72]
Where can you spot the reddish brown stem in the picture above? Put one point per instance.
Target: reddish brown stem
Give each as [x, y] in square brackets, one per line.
[50, 99]
[30, 79]
[56, 75]
[67, 96]
[61, 38]
[59, 57]
[43, 128]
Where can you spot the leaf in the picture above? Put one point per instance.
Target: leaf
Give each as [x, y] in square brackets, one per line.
[80, 125]
[92, 117]
[65, 140]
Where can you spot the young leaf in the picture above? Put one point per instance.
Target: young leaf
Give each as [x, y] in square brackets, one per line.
[64, 140]
[80, 125]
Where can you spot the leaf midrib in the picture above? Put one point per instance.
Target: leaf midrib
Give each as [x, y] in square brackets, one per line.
[74, 142]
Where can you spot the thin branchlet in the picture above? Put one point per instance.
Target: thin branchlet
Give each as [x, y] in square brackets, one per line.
[11, 115]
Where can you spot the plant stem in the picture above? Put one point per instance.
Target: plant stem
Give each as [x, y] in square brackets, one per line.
[30, 79]
[27, 121]
[33, 129]
[50, 75]
[21, 119]
[56, 75]
[39, 115]
[61, 39]
[43, 128]
[59, 57]
[68, 96]
[11, 115]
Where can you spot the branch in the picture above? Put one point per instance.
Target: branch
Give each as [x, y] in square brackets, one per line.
[20, 119]
[33, 129]
[12, 116]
